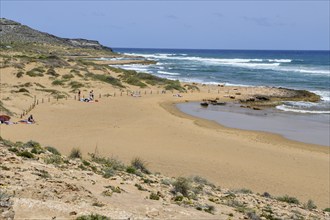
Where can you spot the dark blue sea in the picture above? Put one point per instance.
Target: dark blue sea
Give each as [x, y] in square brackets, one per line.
[309, 70]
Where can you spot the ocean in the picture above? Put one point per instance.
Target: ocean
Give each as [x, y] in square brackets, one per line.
[308, 70]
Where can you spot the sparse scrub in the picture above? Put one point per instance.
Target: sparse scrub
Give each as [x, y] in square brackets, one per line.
[139, 164]
[51, 71]
[53, 150]
[106, 78]
[288, 199]
[182, 185]
[76, 85]
[31, 144]
[67, 76]
[191, 87]
[154, 196]
[39, 85]
[114, 189]
[253, 216]
[131, 169]
[43, 174]
[25, 154]
[75, 153]
[108, 172]
[3, 167]
[326, 209]
[243, 191]
[107, 193]
[139, 187]
[53, 159]
[19, 74]
[108, 162]
[58, 82]
[54, 93]
[266, 194]
[23, 90]
[93, 217]
[310, 205]
[35, 72]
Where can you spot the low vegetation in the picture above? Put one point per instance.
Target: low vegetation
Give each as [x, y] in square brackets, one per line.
[195, 192]
[75, 153]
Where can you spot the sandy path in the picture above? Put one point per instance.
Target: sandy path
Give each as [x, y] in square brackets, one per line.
[174, 144]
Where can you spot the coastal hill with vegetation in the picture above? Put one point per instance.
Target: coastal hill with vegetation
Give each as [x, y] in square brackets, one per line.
[44, 175]
[38, 182]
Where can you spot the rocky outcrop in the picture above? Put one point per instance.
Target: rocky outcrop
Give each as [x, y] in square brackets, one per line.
[14, 32]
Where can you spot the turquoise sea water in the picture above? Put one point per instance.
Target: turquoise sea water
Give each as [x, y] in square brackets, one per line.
[309, 70]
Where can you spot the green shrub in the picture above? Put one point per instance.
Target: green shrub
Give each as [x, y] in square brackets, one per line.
[75, 153]
[107, 193]
[92, 217]
[67, 76]
[58, 82]
[210, 209]
[114, 189]
[326, 209]
[76, 85]
[26, 154]
[37, 150]
[54, 159]
[52, 72]
[310, 205]
[36, 72]
[86, 163]
[108, 162]
[106, 78]
[3, 167]
[243, 191]
[131, 169]
[108, 172]
[19, 74]
[182, 185]
[31, 144]
[288, 199]
[154, 196]
[139, 164]
[139, 187]
[23, 90]
[53, 150]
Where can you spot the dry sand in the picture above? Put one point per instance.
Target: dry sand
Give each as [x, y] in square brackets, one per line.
[176, 144]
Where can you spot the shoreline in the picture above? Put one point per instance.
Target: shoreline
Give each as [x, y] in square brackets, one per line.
[289, 125]
[263, 135]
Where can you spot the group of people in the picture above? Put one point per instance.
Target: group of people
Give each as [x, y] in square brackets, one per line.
[89, 99]
[4, 119]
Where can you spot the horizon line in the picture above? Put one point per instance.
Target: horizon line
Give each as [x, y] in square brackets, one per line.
[163, 48]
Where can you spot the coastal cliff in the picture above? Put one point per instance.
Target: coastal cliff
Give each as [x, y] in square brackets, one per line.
[14, 32]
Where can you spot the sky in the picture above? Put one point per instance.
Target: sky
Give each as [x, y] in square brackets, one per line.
[276, 25]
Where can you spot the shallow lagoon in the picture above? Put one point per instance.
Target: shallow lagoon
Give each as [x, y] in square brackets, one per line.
[307, 128]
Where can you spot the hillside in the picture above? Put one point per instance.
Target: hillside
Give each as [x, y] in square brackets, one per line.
[41, 183]
[14, 32]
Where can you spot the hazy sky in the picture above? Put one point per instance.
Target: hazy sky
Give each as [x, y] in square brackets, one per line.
[181, 24]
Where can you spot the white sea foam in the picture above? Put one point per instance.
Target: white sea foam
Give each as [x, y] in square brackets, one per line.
[325, 95]
[168, 73]
[287, 109]
[305, 70]
[280, 60]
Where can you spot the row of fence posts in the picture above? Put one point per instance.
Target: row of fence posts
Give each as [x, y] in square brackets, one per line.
[36, 101]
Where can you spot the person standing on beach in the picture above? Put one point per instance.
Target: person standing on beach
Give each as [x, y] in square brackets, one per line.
[79, 93]
[91, 95]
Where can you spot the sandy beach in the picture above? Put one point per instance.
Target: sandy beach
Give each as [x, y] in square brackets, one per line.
[176, 144]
